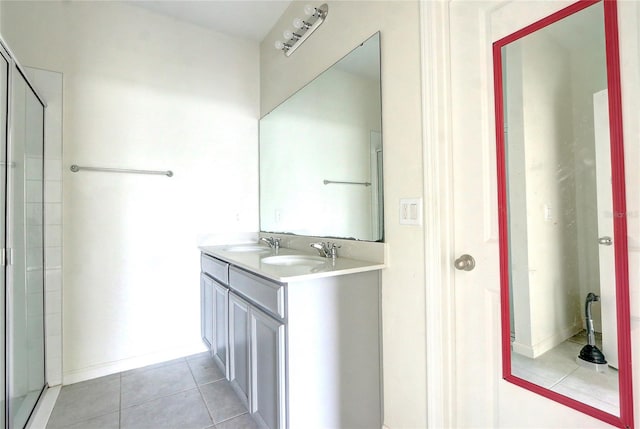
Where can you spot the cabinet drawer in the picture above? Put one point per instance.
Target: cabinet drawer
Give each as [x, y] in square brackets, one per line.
[267, 294]
[216, 268]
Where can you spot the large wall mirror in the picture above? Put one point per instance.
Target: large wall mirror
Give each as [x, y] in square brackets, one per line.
[321, 154]
[563, 231]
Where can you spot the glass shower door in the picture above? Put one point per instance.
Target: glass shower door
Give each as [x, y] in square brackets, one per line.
[4, 96]
[25, 370]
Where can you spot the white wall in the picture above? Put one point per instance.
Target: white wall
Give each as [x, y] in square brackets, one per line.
[142, 91]
[403, 286]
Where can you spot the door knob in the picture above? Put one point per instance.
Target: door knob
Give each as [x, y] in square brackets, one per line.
[465, 263]
[606, 241]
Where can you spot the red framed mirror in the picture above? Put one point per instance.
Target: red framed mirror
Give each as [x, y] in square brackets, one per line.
[562, 211]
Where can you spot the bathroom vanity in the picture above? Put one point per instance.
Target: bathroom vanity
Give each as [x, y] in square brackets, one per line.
[297, 335]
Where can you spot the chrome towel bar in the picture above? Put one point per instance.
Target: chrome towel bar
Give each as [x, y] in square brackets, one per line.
[327, 182]
[75, 168]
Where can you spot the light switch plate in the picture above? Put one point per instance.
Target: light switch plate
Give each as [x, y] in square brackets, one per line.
[411, 211]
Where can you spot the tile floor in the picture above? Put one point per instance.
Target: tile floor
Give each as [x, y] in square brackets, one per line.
[557, 370]
[187, 393]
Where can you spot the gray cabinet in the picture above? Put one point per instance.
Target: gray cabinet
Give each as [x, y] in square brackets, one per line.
[268, 400]
[305, 353]
[206, 310]
[214, 309]
[257, 336]
[220, 306]
[239, 338]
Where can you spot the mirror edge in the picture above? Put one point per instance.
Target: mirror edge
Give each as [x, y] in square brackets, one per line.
[377, 33]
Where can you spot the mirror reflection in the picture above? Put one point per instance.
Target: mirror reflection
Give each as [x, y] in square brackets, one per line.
[559, 200]
[321, 154]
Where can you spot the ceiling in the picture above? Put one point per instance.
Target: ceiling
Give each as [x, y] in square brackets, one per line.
[247, 19]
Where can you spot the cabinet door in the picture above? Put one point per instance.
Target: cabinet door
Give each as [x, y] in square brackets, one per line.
[220, 308]
[267, 369]
[239, 346]
[206, 310]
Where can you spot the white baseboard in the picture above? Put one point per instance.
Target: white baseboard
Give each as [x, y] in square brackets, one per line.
[535, 350]
[95, 371]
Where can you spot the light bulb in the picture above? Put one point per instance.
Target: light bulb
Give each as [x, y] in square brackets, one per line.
[309, 10]
[288, 34]
[279, 45]
[298, 23]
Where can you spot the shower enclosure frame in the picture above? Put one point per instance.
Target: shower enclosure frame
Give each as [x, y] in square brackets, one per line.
[8, 311]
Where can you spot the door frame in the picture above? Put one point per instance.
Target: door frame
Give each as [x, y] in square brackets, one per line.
[438, 223]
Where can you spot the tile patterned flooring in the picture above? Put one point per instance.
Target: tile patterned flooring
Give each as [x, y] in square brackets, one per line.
[557, 370]
[186, 393]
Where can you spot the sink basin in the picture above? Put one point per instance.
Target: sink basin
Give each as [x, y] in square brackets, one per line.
[247, 248]
[294, 260]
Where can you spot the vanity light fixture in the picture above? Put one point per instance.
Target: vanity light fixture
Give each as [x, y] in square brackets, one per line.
[303, 28]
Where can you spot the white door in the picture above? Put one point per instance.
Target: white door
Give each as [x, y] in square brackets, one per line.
[481, 397]
[605, 229]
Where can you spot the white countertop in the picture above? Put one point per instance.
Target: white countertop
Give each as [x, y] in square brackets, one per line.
[252, 261]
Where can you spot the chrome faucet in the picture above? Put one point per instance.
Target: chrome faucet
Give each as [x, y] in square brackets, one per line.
[328, 250]
[274, 243]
